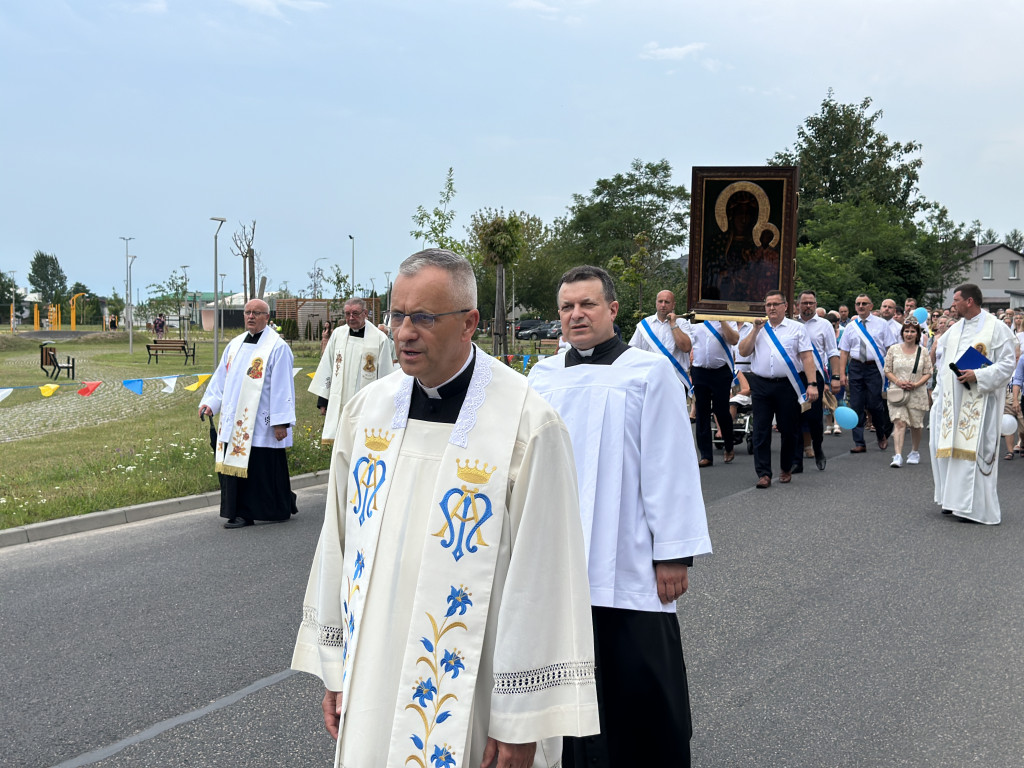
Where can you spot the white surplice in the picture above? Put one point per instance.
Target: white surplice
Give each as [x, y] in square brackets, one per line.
[634, 511]
[348, 364]
[277, 398]
[968, 486]
[524, 671]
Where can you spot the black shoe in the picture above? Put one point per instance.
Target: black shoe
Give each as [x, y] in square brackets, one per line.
[237, 522]
[797, 470]
[819, 462]
[947, 511]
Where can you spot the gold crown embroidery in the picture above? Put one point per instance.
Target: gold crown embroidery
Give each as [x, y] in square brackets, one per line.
[476, 474]
[378, 441]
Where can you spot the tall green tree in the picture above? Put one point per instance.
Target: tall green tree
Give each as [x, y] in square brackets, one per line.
[1014, 239]
[946, 247]
[605, 224]
[434, 227]
[844, 158]
[501, 241]
[46, 278]
[9, 293]
[167, 297]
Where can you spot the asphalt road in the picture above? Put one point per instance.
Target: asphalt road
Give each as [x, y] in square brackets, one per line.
[842, 621]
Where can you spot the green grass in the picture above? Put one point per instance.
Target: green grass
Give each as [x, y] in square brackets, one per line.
[157, 453]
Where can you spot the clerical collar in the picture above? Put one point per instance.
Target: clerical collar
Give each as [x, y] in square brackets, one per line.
[443, 390]
[605, 353]
[445, 408]
[361, 333]
[253, 338]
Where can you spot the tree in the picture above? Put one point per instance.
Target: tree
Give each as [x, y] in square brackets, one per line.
[168, 297]
[1014, 239]
[501, 240]
[241, 246]
[47, 278]
[843, 158]
[9, 293]
[946, 247]
[989, 237]
[432, 227]
[605, 225]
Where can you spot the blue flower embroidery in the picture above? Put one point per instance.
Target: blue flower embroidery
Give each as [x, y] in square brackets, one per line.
[442, 757]
[459, 601]
[360, 564]
[424, 691]
[452, 662]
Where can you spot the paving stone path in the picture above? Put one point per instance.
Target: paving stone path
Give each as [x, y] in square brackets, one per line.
[110, 402]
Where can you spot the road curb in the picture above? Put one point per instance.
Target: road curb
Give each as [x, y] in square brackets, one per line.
[94, 521]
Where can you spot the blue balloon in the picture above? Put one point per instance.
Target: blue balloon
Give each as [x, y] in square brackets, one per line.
[921, 314]
[846, 417]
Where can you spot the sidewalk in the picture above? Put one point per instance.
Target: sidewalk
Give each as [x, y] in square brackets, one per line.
[10, 537]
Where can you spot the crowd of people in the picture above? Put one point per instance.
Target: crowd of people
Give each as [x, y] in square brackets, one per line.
[464, 500]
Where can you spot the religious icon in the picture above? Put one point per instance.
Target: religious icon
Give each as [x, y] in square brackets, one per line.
[742, 238]
[255, 369]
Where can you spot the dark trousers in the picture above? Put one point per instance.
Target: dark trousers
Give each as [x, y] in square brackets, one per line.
[864, 393]
[711, 388]
[773, 398]
[811, 419]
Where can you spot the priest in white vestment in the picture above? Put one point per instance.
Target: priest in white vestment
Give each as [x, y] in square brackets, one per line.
[968, 409]
[253, 389]
[356, 354]
[447, 611]
[643, 522]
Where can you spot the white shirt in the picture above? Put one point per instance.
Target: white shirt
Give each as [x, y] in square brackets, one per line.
[823, 338]
[663, 330]
[707, 350]
[853, 340]
[766, 361]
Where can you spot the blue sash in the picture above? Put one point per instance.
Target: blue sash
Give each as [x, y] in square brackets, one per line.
[825, 370]
[879, 357]
[794, 377]
[728, 352]
[671, 358]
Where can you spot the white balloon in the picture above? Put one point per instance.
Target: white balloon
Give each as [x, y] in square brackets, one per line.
[1008, 426]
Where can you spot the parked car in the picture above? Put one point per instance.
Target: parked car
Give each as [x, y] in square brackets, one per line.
[523, 325]
[549, 329]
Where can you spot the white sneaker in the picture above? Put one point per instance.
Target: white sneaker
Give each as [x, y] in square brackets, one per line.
[897, 461]
[914, 458]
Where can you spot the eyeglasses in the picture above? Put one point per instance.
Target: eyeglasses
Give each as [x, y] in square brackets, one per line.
[254, 313]
[771, 304]
[355, 314]
[423, 320]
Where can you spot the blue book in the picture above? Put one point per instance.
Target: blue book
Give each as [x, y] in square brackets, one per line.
[971, 360]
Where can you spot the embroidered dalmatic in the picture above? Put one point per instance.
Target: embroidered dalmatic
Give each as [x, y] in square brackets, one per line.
[348, 364]
[964, 433]
[252, 390]
[448, 597]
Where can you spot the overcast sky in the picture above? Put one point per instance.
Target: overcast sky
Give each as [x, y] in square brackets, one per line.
[323, 119]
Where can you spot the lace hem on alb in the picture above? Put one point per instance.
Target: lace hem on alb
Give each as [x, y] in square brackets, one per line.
[575, 673]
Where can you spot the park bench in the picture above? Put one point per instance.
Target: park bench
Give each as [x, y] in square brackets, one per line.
[48, 359]
[170, 345]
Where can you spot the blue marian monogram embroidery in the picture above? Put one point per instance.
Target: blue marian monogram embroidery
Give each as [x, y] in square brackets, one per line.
[369, 473]
[429, 698]
[455, 532]
[347, 613]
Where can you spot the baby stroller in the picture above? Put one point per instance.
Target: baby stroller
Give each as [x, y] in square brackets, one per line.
[742, 426]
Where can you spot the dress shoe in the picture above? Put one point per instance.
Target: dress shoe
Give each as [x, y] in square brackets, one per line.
[785, 477]
[947, 511]
[858, 449]
[763, 482]
[704, 463]
[798, 469]
[237, 522]
[883, 443]
[819, 462]
[729, 456]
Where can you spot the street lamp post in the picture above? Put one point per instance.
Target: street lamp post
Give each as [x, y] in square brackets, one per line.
[128, 292]
[220, 309]
[216, 306]
[184, 270]
[14, 296]
[353, 264]
[387, 289]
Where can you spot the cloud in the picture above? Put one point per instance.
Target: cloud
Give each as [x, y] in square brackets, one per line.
[678, 53]
[147, 6]
[561, 10]
[275, 7]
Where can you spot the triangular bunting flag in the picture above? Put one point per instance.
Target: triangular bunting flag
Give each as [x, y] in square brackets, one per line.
[89, 388]
[509, 359]
[202, 380]
[169, 382]
[526, 361]
[540, 357]
[49, 389]
[4, 393]
[311, 375]
[134, 385]
[295, 372]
